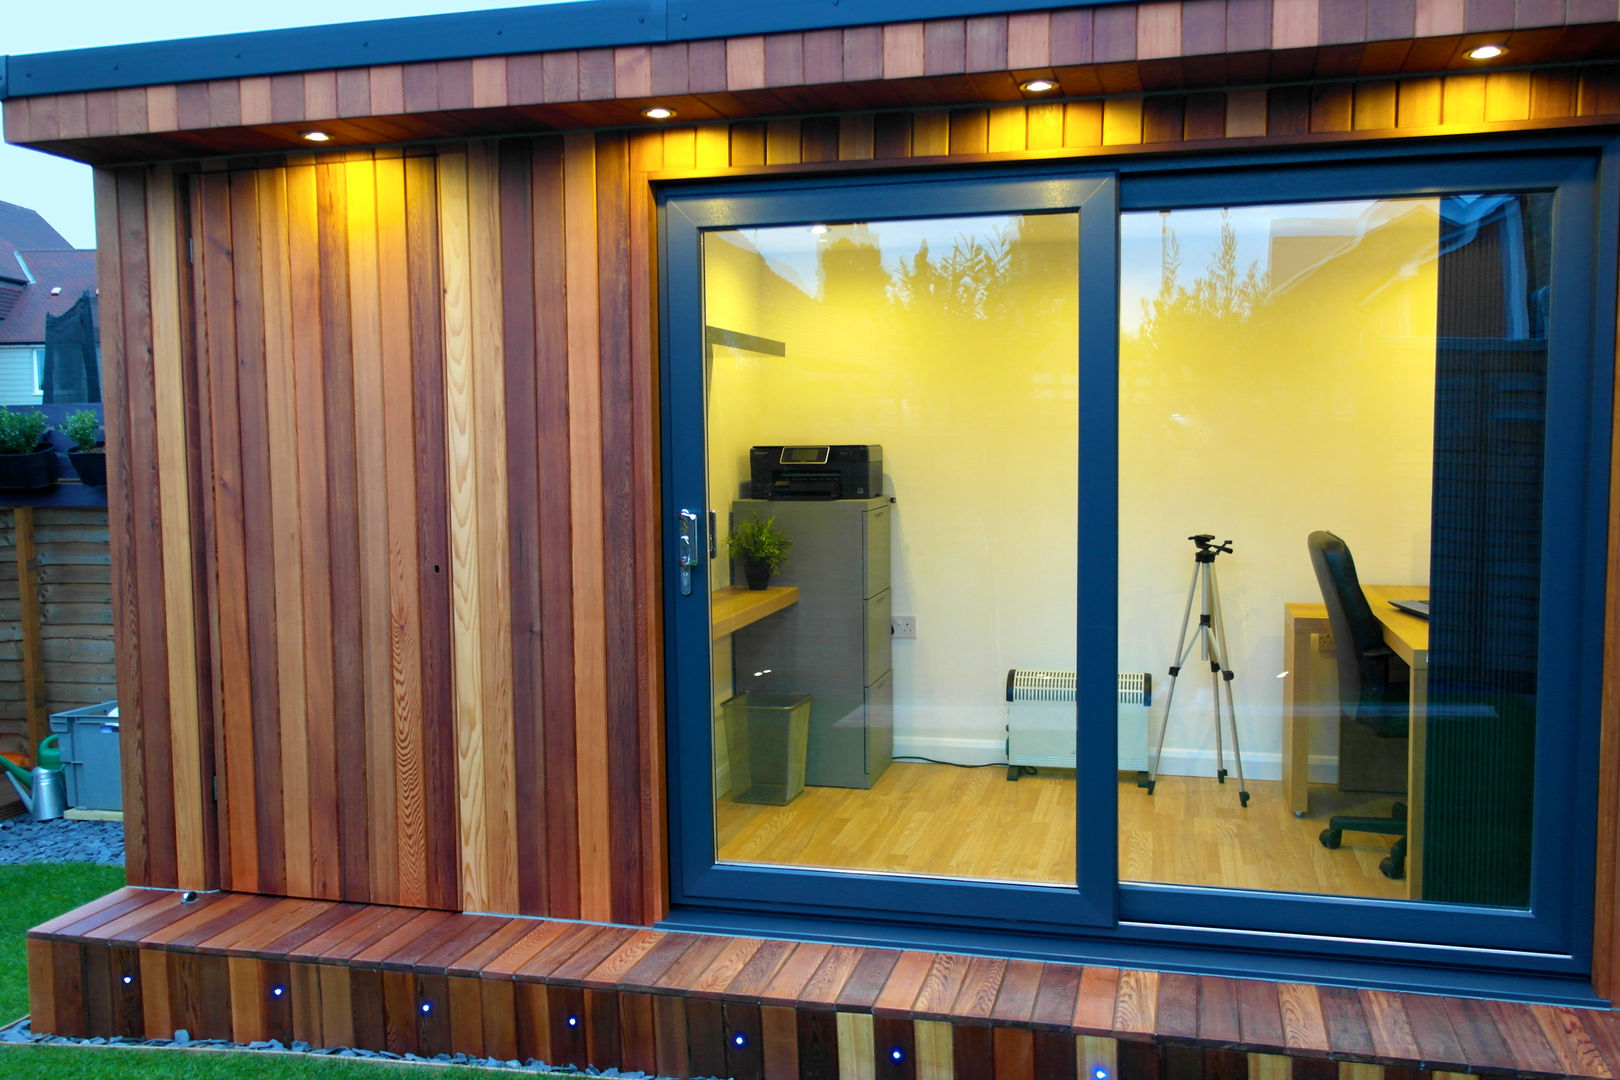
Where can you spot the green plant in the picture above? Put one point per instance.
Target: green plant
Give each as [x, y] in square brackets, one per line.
[82, 427]
[20, 430]
[759, 540]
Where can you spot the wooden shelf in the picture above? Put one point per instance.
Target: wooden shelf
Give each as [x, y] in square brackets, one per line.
[734, 607]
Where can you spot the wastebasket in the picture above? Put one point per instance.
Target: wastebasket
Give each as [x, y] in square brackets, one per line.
[767, 736]
[89, 741]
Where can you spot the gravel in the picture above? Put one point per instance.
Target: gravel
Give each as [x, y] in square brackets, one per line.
[24, 840]
[20, 1033]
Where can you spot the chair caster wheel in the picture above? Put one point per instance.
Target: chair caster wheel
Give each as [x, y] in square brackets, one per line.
[1392, 868]
[1331, 838]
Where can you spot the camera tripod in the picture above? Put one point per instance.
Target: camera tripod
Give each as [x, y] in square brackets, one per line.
[1211, 635]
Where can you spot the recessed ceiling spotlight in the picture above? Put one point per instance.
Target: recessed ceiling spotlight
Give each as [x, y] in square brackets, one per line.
[1038, 86]
[315, 136]
[1486, 52]
[658, 112]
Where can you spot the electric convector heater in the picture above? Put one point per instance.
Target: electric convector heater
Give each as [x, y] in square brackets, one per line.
[1041, 721]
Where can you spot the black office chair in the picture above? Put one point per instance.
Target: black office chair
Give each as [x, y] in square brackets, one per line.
[1367, 695]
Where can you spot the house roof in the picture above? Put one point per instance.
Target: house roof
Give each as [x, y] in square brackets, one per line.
[582, 24]
[60, 278]
[22, 229]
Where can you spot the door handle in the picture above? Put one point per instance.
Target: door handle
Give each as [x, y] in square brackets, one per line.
[686, 548]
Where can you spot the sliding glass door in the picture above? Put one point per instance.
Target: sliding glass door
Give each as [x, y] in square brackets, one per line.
[1041, 548]
[880, 393]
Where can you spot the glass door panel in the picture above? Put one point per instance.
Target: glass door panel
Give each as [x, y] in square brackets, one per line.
[1352, 394]
[892, 412]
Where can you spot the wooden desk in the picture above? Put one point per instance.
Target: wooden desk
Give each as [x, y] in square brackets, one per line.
[733, 607]
[1408, 636]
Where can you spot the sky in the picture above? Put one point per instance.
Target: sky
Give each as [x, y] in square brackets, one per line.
[60, 189]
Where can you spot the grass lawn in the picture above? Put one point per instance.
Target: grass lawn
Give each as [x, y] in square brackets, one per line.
[35, 892]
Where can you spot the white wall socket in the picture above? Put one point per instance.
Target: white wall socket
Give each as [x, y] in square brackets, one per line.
[903, 626]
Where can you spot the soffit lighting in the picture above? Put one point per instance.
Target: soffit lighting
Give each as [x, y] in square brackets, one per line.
[1038, 86]
[658, 112]
[315, 136]
[1486, 52]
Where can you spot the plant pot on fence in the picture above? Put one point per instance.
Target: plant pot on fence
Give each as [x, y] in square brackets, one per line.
[91, 465]
[28, 472]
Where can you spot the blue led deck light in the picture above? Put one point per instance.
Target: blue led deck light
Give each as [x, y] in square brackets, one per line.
[128, 980]
[427, 1006]
[277, 991]
[573, 1021]
[1099, 1073]
[897, 1055]
[739, 1039]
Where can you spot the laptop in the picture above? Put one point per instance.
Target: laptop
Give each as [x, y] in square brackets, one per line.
[1420, 608]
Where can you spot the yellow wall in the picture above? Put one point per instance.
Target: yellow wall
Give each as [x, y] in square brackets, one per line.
[978, 422]
[1315, 413]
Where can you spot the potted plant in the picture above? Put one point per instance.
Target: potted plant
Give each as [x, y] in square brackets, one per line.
[25, 465]
[89, 455]
[761, 547]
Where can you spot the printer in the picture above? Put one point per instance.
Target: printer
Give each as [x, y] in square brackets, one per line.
[815, 472]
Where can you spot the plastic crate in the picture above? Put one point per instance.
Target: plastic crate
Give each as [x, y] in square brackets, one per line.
[89, 742]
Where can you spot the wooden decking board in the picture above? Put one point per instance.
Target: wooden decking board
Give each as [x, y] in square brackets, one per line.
[865, 982]
[558, 951]
[129, 926]
[825, 985]
[716, 980]
[1346, 1023]
[607, 974]
[362, 936]
[400, 937]
[796, 971]
[691, 963]
[676, 1003]
[243, 936]
[574, 970]
[1054, 1000]
[1475, 1028]
[95, 912]
[761, 968]
[408, 957]
[1218, 1011]
[1016, 998]
[471, 932]
[184, 919]
[332, 915]
[644, 975]
[473, 961]
[1176, 1015]
[904, 983]
[539, 936]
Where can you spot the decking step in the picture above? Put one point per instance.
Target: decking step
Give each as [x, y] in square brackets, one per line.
[142, 963]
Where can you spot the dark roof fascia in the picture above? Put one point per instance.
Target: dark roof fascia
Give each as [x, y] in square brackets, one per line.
[585, 24]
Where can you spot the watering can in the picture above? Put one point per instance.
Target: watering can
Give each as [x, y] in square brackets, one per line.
[43, 790]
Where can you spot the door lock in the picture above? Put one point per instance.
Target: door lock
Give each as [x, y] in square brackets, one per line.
[687, 547]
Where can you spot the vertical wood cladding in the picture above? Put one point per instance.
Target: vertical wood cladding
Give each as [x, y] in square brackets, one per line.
[384, 490]
[395, 391]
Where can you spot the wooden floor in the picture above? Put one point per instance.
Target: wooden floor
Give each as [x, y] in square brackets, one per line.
[941, 820]
[142, 963]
